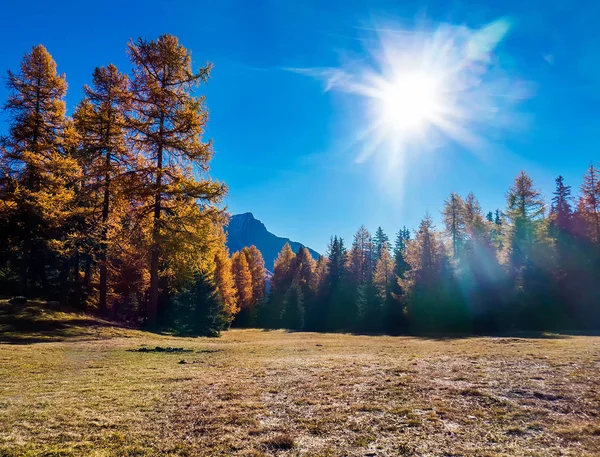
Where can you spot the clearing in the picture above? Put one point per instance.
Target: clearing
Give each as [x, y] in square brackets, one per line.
[74, 385]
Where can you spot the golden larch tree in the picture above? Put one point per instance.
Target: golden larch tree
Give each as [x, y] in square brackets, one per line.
[168, 121]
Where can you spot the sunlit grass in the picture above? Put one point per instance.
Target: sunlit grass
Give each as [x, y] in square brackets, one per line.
[257, 393]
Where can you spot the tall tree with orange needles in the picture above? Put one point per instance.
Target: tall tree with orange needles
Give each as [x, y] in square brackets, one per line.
[34, 161]
[168, 121]
[101, 121]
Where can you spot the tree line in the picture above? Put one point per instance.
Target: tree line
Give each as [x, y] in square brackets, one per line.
[112, 209]
[526, 267]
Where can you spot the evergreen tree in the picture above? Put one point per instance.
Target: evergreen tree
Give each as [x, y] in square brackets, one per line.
[381, 243]
[340, 315]
[292, 315]
[197, 310]
[394, 314]
[560, 210]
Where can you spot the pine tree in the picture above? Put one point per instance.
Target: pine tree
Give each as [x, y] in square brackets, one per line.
[394, 314]
[339, 314]
[400, 264]
[292, 314]
[560, 210]
[197, 310]
[168, 122]
[381, 243]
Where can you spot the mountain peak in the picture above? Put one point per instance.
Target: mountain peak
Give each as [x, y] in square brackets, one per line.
[245, 230]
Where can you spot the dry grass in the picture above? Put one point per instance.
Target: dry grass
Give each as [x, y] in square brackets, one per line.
[80, 390]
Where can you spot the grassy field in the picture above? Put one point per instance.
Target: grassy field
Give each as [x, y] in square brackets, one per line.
[73, 385]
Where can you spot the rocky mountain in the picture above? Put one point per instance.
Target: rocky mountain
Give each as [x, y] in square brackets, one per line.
[245, 230]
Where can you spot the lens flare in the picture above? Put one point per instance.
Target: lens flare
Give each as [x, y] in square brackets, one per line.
[424, 88]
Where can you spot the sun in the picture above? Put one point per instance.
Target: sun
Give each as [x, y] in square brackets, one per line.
[410, 102]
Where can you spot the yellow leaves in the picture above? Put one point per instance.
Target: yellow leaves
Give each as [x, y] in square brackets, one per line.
[243, 279]
[225, 283]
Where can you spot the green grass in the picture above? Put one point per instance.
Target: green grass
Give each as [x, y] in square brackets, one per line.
[71, 385]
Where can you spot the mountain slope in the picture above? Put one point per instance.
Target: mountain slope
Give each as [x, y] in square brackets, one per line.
[244, 230]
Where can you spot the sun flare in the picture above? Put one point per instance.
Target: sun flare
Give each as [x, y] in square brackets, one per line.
[411, 101]
[418, 90]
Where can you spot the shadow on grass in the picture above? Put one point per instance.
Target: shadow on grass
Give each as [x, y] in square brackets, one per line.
[521, 334]
[32, 323]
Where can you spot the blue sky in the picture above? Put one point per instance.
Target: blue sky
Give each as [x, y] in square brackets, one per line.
[282, 141]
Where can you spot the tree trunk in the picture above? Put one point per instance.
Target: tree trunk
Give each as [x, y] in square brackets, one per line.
[153, 299]
[103, 267]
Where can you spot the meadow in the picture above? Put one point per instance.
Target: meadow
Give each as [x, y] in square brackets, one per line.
[73, 385]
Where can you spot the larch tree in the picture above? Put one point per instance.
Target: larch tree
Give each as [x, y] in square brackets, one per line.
[168, 121]
[101, 121]
[37, 167]
[525, 207]
[256, 263]
[225, 283]
[283, 269]
[383, 276]
[304, 270]
[281, 281]
[360, 258]
[589, 203]
[454, 223]
[243, 280]
[430, 302]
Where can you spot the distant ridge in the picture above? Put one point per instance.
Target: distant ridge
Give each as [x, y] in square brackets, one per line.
[245, 230]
